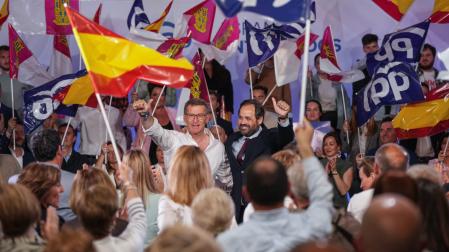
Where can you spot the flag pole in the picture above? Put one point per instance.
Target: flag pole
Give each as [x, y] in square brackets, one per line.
[304, 68]
[12, 107]
[344, 109]
[152, 113]
[208, 95]
[358, 138]
[269, 94]
[250, 83]
[109, 111]
[65, 131]
[108, 128]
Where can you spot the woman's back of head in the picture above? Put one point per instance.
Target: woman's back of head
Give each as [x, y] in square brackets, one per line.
[189, 173]
[19, 210]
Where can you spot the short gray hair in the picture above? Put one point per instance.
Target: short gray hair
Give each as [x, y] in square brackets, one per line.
[197, 102]
[392, 156]
[297, 179]
[423, 171]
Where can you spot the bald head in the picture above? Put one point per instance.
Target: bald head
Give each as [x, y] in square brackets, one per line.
[391, 157]
[392, 223]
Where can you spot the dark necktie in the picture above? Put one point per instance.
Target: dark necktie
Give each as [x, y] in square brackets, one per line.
[242, 151]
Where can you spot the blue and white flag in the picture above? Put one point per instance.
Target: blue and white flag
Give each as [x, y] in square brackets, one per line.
[402, 46]
[285, 11]
[41, 102]
[261, 43]
[393, 83]
[137, 18]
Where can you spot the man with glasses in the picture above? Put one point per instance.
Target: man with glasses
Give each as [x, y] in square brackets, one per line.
[196, 113]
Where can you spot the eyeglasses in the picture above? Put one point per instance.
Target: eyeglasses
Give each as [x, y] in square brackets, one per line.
[197, 116]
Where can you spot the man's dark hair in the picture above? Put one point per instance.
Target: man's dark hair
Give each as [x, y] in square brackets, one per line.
[197, 102]
[432, 49]
[386, 119]
[70, 126]
[153, 86]
[317, 102]
[45, 145]
[259, 87]
[369, 38]
[257, 107]
[4, 48]
[266, 181]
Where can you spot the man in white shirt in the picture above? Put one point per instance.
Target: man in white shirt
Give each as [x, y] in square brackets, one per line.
[427, 73]
[92, 128]
[196, 112]
[389, 156]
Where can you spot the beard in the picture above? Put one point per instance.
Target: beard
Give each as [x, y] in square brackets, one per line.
[426, 66]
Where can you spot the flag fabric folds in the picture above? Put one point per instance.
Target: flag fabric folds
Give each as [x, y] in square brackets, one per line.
[61, 61]
[328, 55]
[393, 83]
[97, 15]
[225, 42]
[115, 73]
[286, 66]
[57, 22]
[403, 46]
[395, 8]
[137, 18]
[282, 11]
[81, 92]
[4, 12]
[173, 48]
[261, 44]
[440, 13]
[23, 66]
[156, 25]
[42, 101]
[197, 22]
[425, 118]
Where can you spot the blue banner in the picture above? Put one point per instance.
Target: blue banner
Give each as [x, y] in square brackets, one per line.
[137, 17]
[285, 11]
[401, 46]
[42, 101]
[393, 83]
[261, 43]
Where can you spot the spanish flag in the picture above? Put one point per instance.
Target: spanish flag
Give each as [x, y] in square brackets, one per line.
[440, 13]
[156, 25]
[395, 8]
[4, 12]
[115, 63]
[425, 118]
[81, 92]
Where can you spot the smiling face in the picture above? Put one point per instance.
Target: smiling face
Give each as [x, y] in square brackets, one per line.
[330, 147]
[195, 119]
[247, 122]
[387, 133]
[313, 113]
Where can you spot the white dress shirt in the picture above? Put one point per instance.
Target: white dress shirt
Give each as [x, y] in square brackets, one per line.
[93, 130]
[359, 203]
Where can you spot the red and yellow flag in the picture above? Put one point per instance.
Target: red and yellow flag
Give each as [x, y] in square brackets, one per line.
[115, 63]
[440, 13]
[395, 8]
[425, 118]
[4, 12]
[156, 25]
[81, 92]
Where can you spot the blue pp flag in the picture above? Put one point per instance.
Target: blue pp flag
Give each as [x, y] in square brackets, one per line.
[393, 83]
[285, 11]
[42, 101]
[137, 17]
[402, 46]
[261, 43]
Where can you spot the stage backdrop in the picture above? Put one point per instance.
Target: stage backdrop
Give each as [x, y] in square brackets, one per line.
[349, 19]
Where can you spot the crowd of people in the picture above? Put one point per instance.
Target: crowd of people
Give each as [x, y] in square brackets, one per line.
[205, 185]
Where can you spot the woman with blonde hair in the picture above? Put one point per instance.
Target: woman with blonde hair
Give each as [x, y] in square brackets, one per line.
[142, 177]
[189, 173]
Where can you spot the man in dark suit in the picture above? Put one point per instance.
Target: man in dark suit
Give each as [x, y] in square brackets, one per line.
[252, 140]
[72, 161]
[20, 151]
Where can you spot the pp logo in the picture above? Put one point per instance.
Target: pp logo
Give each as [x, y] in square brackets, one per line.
[43, 108]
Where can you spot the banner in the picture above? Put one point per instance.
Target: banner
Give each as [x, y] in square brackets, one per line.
[393, 83]
[261, 44]
[57, 22]
[45, 100]
[402, 46]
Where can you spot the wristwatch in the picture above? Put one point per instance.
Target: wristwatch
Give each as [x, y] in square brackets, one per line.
[144, 115]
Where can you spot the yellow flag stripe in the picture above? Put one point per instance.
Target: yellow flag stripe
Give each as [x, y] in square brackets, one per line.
[80, 91]
[403, 5]
[441, 5]
[422, 115]
[111, 57]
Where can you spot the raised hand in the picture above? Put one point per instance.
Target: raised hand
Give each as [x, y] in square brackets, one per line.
[281, 108]
[141, 106]
[304, 135]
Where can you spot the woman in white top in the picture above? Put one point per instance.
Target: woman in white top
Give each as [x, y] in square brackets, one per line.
[189, 174]
[142, 177]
